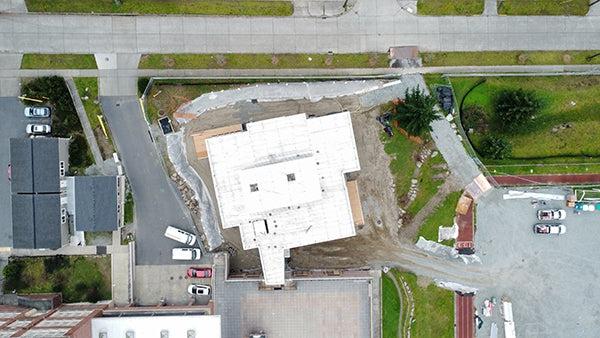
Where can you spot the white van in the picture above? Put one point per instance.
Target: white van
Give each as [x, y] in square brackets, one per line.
[180, 235]
[187, 254]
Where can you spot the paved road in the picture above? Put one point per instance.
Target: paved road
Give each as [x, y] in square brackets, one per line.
[12, 125]
[157, 204]
[373, 25]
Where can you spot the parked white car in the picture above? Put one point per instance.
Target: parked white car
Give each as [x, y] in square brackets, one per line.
[186, 254]
[549, 229]
[199, 289]
[180, 235]
[551, 214]
[39, 111]
[37, 129]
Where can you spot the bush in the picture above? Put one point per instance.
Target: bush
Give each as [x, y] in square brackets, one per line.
[416, 113]
[514, 108]
[495, 148]
[78, 152]
[12, 275]
[54, 263]
[474, 117]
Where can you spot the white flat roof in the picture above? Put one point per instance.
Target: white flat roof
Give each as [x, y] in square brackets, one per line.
[282, 183]
[208, 326]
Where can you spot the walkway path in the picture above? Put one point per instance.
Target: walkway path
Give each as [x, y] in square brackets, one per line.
[85, 123]
[491, 8]
[400, 302]
[556, 179]
[372, 25]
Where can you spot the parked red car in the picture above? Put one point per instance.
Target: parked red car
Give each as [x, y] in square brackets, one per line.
[199, 272]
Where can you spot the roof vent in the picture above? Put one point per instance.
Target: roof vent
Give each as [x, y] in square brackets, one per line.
[191, 334]
[103, 334]
[254, 187]
[291, 177]
[164, 334]
[129, 334]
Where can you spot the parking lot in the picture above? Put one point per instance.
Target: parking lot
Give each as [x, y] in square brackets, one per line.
[551, 279]
[12, 125]
[168, 282]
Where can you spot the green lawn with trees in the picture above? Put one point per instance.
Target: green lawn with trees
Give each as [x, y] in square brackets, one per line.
[78, 278]
[65, 121]
[543, 7]
[529, 120]
[198, 7]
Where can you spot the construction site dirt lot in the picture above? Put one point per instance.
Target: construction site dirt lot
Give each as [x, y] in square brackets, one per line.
[551, 279]
[375, 241]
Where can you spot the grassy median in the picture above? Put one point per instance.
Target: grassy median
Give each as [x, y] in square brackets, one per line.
[513, 58]
[450, 7]
[58, 61]
[543, 7]
[262, 61]
[199, 7]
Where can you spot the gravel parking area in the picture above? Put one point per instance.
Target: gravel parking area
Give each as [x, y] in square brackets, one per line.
[551, 280]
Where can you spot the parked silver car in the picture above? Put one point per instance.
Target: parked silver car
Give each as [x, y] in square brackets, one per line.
[37, 129]
[38, 111]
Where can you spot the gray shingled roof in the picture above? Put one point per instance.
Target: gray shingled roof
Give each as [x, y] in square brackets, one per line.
[96, 203]
[34, 165]
[36, 221]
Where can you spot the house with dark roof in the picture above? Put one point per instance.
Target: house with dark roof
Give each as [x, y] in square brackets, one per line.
[51, 209]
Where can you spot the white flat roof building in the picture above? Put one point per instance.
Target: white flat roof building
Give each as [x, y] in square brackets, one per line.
[192, 326]
[282, 183]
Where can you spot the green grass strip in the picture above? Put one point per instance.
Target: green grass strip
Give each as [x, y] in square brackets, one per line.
[450, 7]
[262, 61]
[544, 7]
[510, 58]
[58, 61]
[200, 7]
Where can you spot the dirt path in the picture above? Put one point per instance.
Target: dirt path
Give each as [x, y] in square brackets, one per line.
[411, 229]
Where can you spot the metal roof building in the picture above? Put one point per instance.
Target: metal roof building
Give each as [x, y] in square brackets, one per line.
[282, 182]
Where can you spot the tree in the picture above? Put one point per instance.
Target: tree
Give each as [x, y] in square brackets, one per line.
[416, 113]
[495, 147]
[514, 108]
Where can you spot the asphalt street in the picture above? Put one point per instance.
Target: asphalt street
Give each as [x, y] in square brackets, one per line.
[372, 25]
[157, 203]
[12, 125]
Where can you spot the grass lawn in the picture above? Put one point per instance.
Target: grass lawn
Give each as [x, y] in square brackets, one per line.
[543, 7]
[87, 87]
[129, 208]
[201, 7]
[450, 7]
[58, 61]
[428, 185]
[401, 150]
[262, 61]
[434, 308]
[443, 215]
[571, 100]
[165, 97]
[391, 307]
[509, 58]
[78, 278]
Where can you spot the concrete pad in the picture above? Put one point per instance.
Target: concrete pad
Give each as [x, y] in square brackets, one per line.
[326, 26]
[123, 24]
[171, 43]
[146, 43]
[238, 26]
[147, 25]
[305, 26]
[124, 43]
[10, 87]
[327, 43]
[348, 25]
[217, 43]
[78, 43]
[429, 25]
[195, 43]
[106, 61]
[10, 61]
[215, 26]
[13, 6]
[194, 25]
[283, 26]
[165, 281]
[285, 43]
[261, 43]
[102, 43]
[171, 25]
[262, 26]
[128, 61]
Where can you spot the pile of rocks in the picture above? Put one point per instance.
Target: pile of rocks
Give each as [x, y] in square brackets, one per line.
[560, 127]
[187, 194]
[423, 156]
[414, 189]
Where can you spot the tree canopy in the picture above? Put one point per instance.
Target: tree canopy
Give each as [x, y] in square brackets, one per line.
[417, 112]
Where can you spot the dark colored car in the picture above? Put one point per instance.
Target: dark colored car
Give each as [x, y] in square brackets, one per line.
[199, 272]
